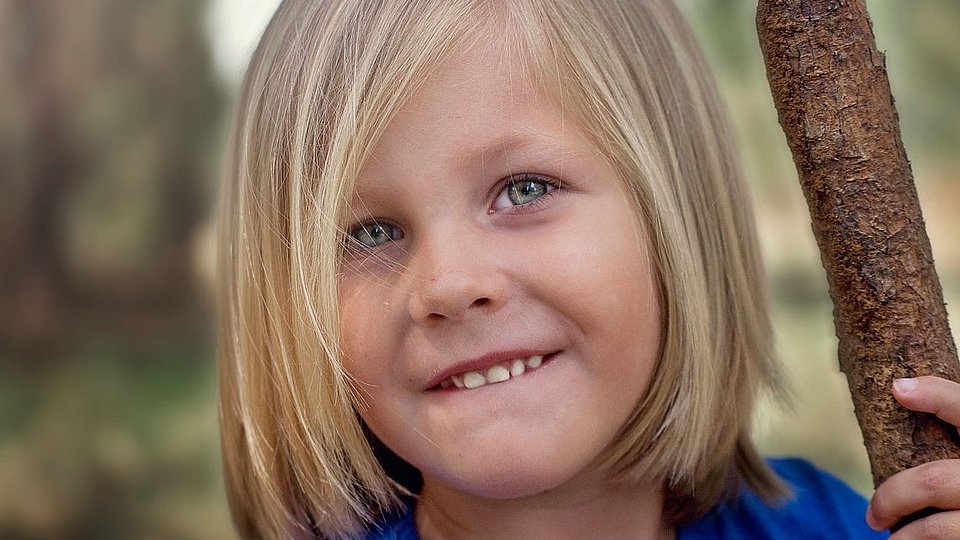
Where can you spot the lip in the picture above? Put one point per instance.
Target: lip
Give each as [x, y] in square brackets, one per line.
[482, 363]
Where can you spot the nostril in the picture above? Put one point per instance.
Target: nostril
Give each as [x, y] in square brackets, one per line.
[481, 302]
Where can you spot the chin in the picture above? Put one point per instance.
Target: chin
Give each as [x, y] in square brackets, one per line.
[499, 480]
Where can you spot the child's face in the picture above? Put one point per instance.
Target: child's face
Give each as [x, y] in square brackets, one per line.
[481, 258]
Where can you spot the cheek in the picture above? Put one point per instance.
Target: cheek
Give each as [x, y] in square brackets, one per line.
[602, 276]
[611, 293]
[363, 331]
[365, 354]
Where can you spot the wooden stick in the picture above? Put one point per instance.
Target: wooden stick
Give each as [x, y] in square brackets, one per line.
[830, 86]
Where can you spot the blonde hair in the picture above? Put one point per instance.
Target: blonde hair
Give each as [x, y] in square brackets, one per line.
[324, 82]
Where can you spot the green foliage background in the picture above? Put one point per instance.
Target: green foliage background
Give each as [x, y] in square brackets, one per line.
[112, 123]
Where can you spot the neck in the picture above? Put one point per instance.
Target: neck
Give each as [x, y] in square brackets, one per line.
[602, 511]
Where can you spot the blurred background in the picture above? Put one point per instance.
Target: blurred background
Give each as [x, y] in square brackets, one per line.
[113, 121]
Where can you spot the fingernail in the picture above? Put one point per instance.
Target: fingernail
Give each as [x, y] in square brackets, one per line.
[905, 386]
[871, 520]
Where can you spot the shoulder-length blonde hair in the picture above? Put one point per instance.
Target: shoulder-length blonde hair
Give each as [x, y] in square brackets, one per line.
[324, 82]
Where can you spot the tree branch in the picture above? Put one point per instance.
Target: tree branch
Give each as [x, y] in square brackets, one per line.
[830, 86]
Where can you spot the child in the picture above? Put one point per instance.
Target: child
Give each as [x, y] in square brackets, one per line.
[490, 272]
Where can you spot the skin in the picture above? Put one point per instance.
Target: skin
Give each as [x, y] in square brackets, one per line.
[468, 275]
[459, 272]
[935, 484]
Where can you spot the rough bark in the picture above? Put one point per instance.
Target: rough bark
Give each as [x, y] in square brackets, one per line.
[830, 86]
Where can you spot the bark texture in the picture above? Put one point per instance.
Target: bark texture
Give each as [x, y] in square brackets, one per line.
[830, 86]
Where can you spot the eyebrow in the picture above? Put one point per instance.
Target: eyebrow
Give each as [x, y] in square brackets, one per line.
[488, 151]
[506, 144]
[511, 143]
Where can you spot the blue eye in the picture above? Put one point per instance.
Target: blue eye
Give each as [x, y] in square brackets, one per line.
[373, 234]
[523, 190]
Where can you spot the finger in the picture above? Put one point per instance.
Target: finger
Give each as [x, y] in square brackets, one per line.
[935, 484]
[945, 525]
[930, 394]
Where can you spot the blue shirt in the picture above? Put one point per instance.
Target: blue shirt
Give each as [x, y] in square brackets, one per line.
[822, 507]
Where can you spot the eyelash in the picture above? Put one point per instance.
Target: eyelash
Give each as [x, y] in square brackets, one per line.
[553, 186]
[352, 244]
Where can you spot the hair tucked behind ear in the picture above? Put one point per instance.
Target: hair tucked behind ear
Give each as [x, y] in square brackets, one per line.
[325, 80]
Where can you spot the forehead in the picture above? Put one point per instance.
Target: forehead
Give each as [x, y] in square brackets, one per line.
[482, 88]
[481, 104]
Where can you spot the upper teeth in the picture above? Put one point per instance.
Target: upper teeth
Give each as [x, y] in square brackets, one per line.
[494, 374]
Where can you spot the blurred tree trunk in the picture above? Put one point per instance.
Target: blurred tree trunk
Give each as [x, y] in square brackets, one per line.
[830, 86]
[109, 121]
[113, 112]
[35, 257]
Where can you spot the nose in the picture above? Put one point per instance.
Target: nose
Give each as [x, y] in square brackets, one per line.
[452, 278]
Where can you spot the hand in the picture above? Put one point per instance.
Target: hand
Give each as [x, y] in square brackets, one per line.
[935, 484]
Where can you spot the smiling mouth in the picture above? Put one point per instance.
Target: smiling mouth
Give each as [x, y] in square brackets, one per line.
[497, 373]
